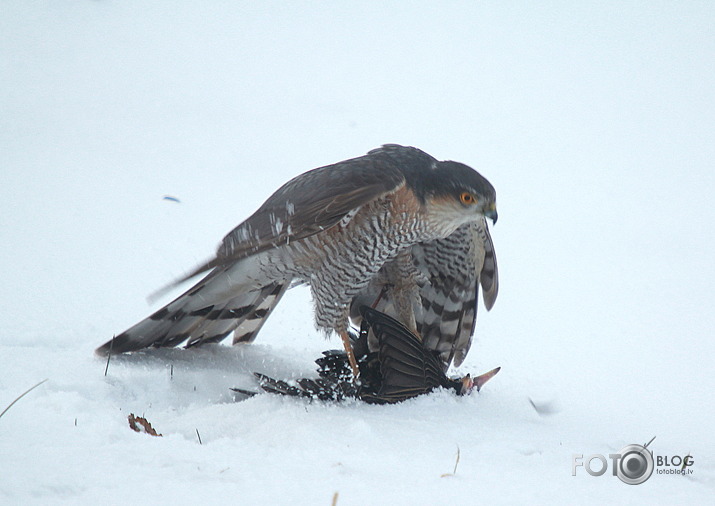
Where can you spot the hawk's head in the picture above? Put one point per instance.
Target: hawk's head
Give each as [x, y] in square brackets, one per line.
[452, 193]
[455, 193]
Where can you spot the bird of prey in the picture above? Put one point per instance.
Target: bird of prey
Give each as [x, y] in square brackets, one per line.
[400, 369]
[395, 229]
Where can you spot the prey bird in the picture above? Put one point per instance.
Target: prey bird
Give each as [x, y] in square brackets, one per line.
[400, 369]
[395, 229]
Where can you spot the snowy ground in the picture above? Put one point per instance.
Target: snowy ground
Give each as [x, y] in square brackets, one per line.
[595, 124]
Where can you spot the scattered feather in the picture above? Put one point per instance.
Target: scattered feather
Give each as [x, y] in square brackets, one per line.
[544, 408]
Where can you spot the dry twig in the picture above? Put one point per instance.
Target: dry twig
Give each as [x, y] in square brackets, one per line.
[456, 463]
[21, 396]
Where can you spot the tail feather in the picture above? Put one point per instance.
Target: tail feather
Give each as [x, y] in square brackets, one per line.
[448, 318]
[248, 315]
[248, 328]
[196, 319]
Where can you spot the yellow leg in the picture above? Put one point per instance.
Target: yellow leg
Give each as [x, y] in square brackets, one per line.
[380, 296]
[351, 356]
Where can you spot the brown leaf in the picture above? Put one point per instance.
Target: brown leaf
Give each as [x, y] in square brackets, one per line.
[140, 424]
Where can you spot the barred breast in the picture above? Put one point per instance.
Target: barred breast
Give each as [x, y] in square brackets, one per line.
[340, 262]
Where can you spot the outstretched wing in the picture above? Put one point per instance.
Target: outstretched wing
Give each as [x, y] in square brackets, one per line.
[306, 205]
[408, 369]
[453, 269]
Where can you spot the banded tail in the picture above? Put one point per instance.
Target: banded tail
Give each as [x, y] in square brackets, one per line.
[192, 318]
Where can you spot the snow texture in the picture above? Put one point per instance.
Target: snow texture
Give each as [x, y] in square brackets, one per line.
[594, 121]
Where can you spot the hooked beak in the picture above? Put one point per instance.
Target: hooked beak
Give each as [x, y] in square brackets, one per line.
[491, 213]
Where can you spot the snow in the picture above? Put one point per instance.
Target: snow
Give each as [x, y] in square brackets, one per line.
[593, 120]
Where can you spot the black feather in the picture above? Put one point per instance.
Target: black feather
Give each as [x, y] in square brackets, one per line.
[401, 369]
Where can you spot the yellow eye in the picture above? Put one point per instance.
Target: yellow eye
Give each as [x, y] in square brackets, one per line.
[467, 198]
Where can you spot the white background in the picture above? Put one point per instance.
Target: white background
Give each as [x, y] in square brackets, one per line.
[594, 121]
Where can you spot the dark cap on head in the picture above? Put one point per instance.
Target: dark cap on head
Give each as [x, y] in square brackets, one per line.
[427, 176]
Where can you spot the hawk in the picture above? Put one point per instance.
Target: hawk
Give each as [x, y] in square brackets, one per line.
[395, 229]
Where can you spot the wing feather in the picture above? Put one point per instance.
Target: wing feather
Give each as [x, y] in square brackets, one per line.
[489, 275]
[307, 204]
[454, 267]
